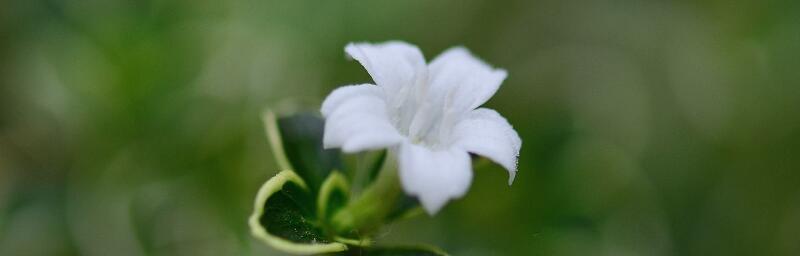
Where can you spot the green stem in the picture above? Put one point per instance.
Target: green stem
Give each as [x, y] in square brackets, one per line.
[376, 202]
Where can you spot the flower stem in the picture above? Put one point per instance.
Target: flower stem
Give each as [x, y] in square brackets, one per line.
[367, 212]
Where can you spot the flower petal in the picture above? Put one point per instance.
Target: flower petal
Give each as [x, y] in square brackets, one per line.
[342, 94]
[464, 79]
[356, 119]
[486, 133]
[434, 176]
[392, 64]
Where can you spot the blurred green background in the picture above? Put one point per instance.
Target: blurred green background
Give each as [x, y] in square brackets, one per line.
[649, 127]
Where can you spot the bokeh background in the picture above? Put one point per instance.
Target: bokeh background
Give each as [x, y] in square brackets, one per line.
[649, 127]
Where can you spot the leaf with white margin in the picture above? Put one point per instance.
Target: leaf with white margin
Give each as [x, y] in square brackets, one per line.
[296, 142]
[283, 217]
[334, 194]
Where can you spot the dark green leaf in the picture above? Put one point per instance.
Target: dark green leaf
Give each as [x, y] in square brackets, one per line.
[297, 144]
[287, 215]
[406, 206]
[284, 217]
[333, 195]
[376, 165]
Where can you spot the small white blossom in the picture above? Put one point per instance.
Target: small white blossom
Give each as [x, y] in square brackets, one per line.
[425, 114]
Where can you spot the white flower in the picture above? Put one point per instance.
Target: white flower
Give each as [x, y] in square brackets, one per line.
[425, 114]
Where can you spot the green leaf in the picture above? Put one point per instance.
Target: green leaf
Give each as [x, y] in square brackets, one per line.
[284, 217]
[333, 195]
[296, 142]
[393, 251]
[375, 166]
[406, 206]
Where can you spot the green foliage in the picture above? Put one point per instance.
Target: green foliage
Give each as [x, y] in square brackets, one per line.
[375, 166]
[298, 140]
[406, 207]
[333, 194]
[284, 218]
[295, 215]
[286, 214]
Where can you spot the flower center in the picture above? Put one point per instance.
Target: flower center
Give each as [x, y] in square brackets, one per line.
[425, 117]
